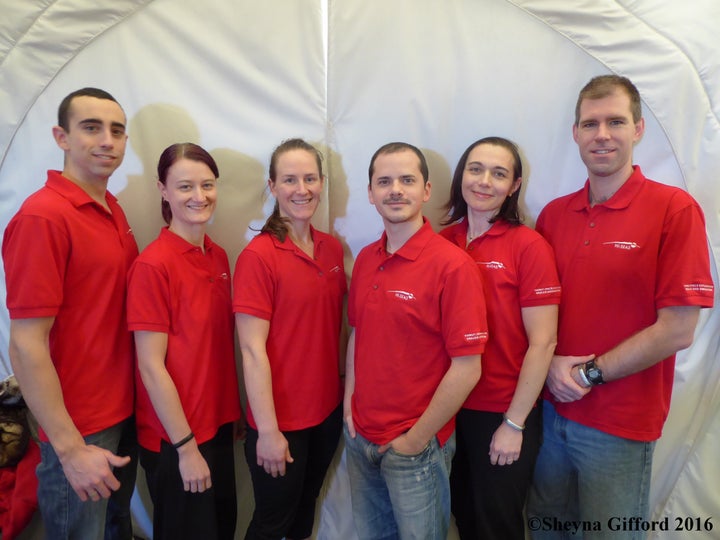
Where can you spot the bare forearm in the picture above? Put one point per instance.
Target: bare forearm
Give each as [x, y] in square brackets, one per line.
[40, 386]
[349, 374]
[151, 351]
[672, 332]
[258, 385]
[456, 384]
[530, 381]
[166, 402]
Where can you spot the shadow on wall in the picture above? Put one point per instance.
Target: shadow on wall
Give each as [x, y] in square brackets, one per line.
[440, 180]
[151, 130]
[240, 199]
[154, 128]
[338, 194]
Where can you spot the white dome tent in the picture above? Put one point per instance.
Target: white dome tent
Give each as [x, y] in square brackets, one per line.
[239, 76]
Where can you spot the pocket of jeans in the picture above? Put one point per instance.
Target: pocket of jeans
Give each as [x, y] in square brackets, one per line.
[425, 450]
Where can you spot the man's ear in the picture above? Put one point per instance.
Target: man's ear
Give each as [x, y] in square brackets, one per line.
[60, 136]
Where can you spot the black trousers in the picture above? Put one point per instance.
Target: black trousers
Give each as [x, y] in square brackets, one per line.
[488, 500]
[180, 514]
[285, 505]
[118, 521]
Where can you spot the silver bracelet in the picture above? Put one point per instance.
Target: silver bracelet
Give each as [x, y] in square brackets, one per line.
[583, 376]
[512, 424]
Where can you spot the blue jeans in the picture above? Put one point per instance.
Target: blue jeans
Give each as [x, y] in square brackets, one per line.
[587, 477]
[64, 515]
[395, 496]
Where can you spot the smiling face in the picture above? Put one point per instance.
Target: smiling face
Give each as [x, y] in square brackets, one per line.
[191, 190]
[297, 185]
[397, 187]
[605, 135]
[488, 180]
[94, 141]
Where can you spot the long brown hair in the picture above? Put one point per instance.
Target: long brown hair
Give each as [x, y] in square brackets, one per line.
[457, 206]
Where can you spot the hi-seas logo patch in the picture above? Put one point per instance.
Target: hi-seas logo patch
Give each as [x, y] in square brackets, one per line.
[492, 265]
[403, 295]
[617, 244]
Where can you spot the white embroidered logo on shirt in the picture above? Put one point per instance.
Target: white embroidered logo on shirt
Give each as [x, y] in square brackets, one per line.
[622, 245]
[403, 295]
[335, 268]
[492, 265]
[698, 287]
[475, 337]
[547, 290]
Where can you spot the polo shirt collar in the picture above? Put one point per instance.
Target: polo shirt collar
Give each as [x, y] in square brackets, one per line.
[179, 244]
[289, 245]
[415, 244]
[620, 200]
[72, 192]
[460, 235]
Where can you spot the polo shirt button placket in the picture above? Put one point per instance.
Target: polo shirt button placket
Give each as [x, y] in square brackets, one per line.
[591, 225]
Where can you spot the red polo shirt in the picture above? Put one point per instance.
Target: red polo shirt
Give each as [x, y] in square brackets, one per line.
[619, 262]
[518, 271]
[302, 297]
[67, 257]
[412, 311]
[175, 289]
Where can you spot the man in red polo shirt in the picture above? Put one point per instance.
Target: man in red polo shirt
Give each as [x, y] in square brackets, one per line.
[66, 254]
[418, 313]
[634, 267]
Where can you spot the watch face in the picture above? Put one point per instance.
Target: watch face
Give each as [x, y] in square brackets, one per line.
[594, 374]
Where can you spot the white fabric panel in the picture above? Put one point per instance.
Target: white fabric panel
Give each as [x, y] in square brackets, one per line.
[235, 77]
[38, 39]
[676, 73]
[462, 70]
[231, 76]
[240, 76]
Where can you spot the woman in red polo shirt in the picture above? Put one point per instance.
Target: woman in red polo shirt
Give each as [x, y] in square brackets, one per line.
[179, 307]
[499, 427]
[288, 291]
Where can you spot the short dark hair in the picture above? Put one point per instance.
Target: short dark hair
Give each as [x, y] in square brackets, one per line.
[457, 206]
[174, 153]
[602, 86]
[394, 147]
[276, 224]
[64, 108]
